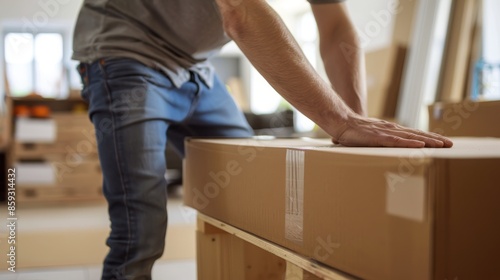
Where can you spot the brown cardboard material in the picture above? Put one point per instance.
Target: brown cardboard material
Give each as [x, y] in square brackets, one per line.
[375, 213]
[466, 118]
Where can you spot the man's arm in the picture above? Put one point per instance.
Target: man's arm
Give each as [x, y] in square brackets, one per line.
[346, 71]
[264, 39]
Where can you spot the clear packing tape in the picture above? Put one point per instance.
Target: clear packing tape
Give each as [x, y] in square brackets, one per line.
[294, 204]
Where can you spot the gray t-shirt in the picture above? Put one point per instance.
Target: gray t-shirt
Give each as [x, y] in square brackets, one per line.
[173, 36]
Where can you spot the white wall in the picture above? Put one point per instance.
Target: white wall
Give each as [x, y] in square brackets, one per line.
[30, 9]
[491, 31]
[373, 19]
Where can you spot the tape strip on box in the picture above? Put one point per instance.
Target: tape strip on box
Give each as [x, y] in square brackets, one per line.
[294, 209]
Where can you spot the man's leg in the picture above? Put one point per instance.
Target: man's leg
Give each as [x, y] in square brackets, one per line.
[131, 107]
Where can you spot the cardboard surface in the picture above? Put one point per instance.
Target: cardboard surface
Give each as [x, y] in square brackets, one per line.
[375, 213]
[466, 118]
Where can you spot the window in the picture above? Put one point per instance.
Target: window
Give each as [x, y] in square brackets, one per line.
[307, 37]
[420, 77]
[488, 67]
[263, 98]
[34, 64]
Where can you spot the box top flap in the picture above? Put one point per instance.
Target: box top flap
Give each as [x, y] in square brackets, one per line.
[466, 147]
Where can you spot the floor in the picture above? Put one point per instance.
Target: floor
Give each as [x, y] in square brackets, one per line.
[38, 220]
[168, 270]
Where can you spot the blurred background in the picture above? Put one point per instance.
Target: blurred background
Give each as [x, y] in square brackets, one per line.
[425, 62]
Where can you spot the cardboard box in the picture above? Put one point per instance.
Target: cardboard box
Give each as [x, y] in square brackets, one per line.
[376, 213]
[59, 174]
[466, 118]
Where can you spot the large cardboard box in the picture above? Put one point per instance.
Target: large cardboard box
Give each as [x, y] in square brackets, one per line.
[466, 118]
[376, 213]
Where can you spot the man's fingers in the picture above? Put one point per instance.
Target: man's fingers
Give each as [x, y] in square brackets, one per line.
[400, 142]
[429, 142]
[383, 140]
[431, 139]
[447, 143]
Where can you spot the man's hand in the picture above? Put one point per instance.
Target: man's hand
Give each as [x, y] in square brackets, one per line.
[368, 132]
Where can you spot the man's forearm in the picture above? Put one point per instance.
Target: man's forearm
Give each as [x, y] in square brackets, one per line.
[345, 67]
[341, 54]
[268, 44]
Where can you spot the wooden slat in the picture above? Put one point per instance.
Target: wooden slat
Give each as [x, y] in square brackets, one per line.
[404, 22]
[223, 256]
[456, 53]
[6, 135]
[394, 87]
[318, 270]
[207, 228]
[57, 194]
[217, 258]
[260, 264]
[294, 272]
[70, 149]
[476, 46]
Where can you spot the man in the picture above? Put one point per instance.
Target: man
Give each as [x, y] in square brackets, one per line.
[146, 80]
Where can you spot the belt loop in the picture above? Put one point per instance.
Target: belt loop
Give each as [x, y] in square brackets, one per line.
[197, 81]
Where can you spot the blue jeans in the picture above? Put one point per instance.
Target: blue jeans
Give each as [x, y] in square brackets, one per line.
[135, 109]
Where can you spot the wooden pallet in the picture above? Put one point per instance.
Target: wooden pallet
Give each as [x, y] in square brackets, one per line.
[226, 253]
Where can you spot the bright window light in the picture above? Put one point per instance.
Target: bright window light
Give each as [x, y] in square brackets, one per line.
[34, 63]
[19, 62]
[307, 36]
[491, 50]
[48, 61]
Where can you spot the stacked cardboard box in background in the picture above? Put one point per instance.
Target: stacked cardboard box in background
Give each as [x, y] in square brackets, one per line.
[465, 118]
[56, 159]
[375, 213]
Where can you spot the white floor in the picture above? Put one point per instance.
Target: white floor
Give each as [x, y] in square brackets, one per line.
[172, 270]
[60, 217]
[92, 216]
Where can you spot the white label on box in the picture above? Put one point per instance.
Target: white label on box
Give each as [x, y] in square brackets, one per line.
[35, 131]
[405, 196]
[294, 202]
[39, 174]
